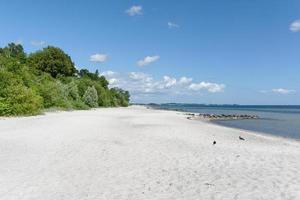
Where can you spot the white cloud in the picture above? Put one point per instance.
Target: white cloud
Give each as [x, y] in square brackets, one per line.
[134, 10]
[142, 84]
[139, 76]
[168, 82]
[263, 91]
[108, 73]
[112, 77]
[113, 81]
[147, 60]
[185, 80]
[173, 25]
[295, 26]
[98, 57]
[210, 87]
[283, 91]
[37, 43]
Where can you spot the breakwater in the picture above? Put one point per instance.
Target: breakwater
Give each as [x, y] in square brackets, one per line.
[220, 116]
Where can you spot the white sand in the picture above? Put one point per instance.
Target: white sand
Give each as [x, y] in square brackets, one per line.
[135, 153]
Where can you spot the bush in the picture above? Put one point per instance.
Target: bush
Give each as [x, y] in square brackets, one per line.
[119, 97]
[73, 92]
[54, 93]
[80, 105]
[103, 97]
[63, 99]
[16, 98]
[5, 108]
[83, 84]
[73, 96]
[90, 97]
[19, 100]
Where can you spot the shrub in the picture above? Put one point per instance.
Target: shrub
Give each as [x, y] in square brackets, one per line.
[104, 98]
[83, 84]
[5, 108]
[79, 104]
[90, 97]
[54, 94]
[50, 93]
[15, 97]
[19, 100]
[63, 98]
[119, 97]
[73, 92]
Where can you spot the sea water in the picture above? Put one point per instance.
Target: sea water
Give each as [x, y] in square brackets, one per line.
[281, 121]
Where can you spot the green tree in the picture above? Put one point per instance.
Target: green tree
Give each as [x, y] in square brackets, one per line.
[83, 84]
[90, 97]
[84, 73]
[54, 61]
[53, 92]
[13, 50]
[15, 97]
[20, 100]
[73, 92]
[103, 95]
[119, 97]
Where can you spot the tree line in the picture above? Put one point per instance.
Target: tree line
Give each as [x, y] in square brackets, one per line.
[30, 83]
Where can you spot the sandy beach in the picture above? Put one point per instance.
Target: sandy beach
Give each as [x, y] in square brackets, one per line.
[137, 153]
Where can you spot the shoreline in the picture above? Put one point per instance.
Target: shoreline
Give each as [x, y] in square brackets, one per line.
[212, 121]
[186, 113]
[259, 133]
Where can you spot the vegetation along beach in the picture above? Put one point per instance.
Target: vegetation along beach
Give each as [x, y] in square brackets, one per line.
[48, 79]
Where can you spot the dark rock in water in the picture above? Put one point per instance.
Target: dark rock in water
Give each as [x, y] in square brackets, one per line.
[241, 138]
[226, 117]
[214, 142]
[191, 114]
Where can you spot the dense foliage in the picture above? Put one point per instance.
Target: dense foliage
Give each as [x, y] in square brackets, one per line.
[47, 79]
[90, 97]
[53, 61]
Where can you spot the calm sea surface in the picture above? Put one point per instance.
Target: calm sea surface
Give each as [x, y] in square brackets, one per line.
[276, 120]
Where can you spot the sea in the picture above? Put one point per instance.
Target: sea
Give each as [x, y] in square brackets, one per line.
[278, 120]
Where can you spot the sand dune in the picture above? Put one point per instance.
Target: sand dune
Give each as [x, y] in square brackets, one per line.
[136, 153]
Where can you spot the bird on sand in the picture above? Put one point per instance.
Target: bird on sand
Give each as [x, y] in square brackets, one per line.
[241, 138]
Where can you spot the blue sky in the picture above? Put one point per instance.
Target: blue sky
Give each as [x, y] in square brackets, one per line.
[200, 51]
